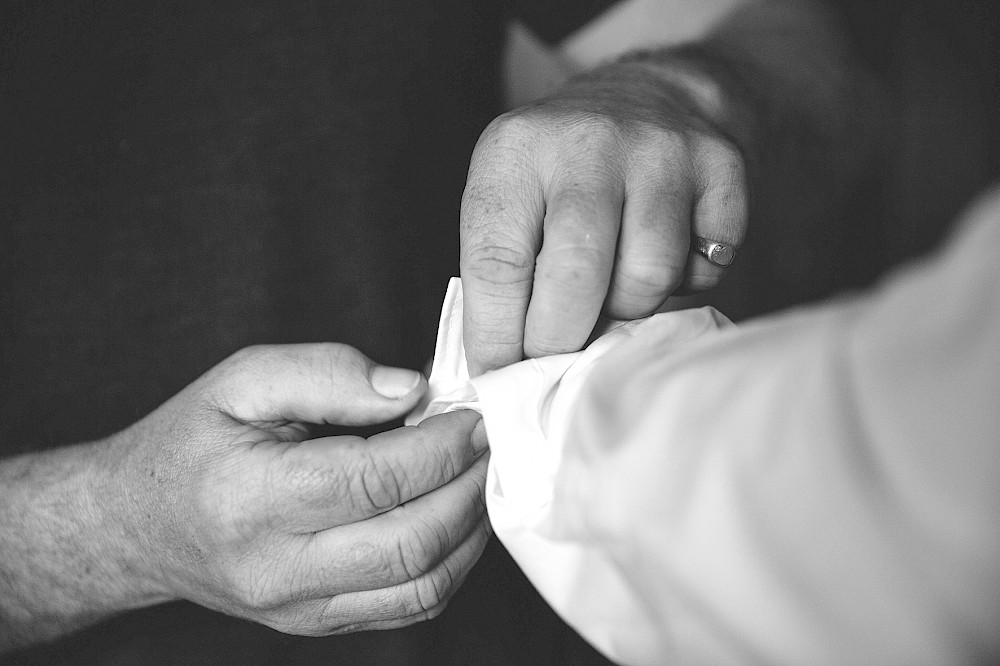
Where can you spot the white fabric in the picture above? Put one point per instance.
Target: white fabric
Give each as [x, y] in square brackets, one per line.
[817, 487]
[526, 408]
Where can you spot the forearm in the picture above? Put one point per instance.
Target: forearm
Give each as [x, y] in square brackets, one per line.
[69, 555]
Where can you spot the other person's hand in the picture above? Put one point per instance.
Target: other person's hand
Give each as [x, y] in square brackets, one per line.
[236, 509]
[592, 200]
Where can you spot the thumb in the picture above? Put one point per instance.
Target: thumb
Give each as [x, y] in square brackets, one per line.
[313, 383]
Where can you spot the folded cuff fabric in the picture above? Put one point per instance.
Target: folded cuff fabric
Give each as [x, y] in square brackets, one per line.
[527, 408]
[821, 486]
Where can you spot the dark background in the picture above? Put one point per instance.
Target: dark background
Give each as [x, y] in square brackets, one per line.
[180, 180]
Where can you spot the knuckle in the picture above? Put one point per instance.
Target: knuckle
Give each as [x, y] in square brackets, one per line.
[434, 612]
[234, 372]
[421, 548]
[649, 280]
[495, 257]
[663, 178]
[587, 186]
[247, 354]
[352, 482]
[502, 184]
[575, 264]
[296, 477]
[666, 158]
[366, 559]
[258, 356]
[722, 161]
[500, 208]
[725, 192]
[434, 589]
[377, 486]
[595, 149]
[668, 146]
[335, 354]
[652, 143]
[477, 491]
[600, 129]
[505, 148]
[545, 340]
[334, 360]
[423, 595]
[565, 135]
[475, 504]
[538, 347]
[514, 128]
[404, 602]
[446, 461]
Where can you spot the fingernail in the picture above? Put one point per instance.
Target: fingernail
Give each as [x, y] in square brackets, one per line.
[394, 382]
[479, 441]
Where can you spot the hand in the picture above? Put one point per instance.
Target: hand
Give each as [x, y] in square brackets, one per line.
[238, 511]
[588, 200]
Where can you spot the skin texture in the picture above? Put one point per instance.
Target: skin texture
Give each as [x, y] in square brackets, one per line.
[219, 497]
[581, 203]
[586, 201]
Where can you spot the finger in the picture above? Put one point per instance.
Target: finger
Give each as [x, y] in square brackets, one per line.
[388, 608]
[502, 209]
[720, 212]
[653, 244]
[322, 483]
[400, 545]
[420, 599]
[573, 269]
[314, 383]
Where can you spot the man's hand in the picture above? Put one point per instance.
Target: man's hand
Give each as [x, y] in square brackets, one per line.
[220, 498]
[589, 200]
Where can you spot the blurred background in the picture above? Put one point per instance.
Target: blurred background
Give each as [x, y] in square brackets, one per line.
[216, 131]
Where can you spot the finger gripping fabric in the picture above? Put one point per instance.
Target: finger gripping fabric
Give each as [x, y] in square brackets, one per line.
[527, 408]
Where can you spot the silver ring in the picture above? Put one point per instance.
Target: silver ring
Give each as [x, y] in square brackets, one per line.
[718, 253]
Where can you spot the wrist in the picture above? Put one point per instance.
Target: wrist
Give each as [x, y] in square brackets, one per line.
[126, 513]
[68, 559]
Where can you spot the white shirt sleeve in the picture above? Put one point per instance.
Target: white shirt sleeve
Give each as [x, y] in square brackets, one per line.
[821, 486]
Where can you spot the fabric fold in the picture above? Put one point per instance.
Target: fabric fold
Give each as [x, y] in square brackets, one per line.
[528, 409]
